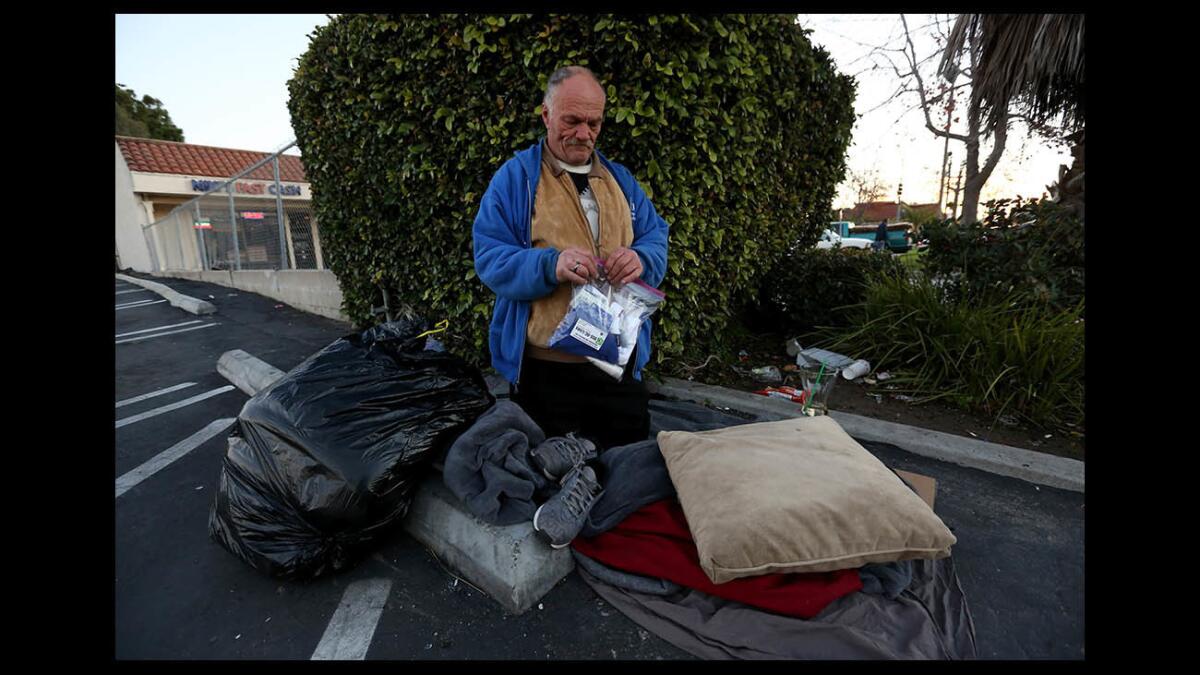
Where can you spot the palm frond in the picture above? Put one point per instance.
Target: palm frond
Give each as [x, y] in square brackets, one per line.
[1033, 60]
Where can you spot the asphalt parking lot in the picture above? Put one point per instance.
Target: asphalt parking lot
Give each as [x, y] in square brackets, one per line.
[179, 595]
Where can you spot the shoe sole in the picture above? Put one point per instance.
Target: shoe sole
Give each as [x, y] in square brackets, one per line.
[535, 528]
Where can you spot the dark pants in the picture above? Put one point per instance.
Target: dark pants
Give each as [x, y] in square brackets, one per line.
[581, 398]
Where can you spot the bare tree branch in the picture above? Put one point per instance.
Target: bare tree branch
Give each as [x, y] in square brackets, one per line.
[926, 59]
[847, 37]
[905, 113]
[921, 89]
[866, 185]
[903, 89]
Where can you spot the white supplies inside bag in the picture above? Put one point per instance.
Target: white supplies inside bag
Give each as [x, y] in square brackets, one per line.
[630, 306]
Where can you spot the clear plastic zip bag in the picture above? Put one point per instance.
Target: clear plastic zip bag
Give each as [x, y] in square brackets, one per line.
[589, 327]
[630, 305]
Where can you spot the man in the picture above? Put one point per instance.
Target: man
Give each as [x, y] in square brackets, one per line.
[554, 216]
[881, 236]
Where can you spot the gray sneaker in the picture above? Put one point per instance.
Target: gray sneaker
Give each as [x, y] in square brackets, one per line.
[564, 515]
[557, 456]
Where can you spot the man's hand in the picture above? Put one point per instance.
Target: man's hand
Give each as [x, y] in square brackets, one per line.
[575, 265]
[623, 266]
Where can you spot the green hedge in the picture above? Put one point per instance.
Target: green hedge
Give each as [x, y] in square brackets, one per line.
[813, 288]
[736, 126]
[1032, 250]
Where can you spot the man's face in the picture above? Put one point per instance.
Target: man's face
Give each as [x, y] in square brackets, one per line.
[573, 121]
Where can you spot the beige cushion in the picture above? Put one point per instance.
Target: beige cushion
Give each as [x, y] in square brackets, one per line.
[795, 496]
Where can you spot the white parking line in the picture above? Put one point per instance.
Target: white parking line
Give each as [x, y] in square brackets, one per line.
[164, 458]
[170, 332]
[136, 302]
[150, 330]
[135, 290]
[139, 304]
[174, 406]
[349, 633]
[152, 394]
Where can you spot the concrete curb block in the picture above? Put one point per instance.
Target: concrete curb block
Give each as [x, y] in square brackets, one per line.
[248, 373]
[1027, 465]
[511, 564]
[177, 299]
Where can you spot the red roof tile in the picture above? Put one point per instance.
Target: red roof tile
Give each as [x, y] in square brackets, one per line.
[154, 156]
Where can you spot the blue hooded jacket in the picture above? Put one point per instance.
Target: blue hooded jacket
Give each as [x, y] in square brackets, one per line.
[519, 274]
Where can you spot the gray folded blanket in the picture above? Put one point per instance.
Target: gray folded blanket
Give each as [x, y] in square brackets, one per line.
[488, 466]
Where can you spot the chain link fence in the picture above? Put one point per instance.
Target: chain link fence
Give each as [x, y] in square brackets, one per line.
[239, 226]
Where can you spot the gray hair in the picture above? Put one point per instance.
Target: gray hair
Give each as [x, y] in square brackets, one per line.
[563, 74]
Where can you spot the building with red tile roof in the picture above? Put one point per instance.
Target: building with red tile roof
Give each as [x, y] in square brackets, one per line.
[147, 155]
[154, 178]
[873, 212]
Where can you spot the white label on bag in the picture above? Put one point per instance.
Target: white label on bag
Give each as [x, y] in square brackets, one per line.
[588, 334]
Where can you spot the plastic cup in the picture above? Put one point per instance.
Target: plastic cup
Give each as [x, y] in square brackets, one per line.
[817, 386]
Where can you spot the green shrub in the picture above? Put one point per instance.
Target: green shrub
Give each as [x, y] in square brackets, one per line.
[1041, 262]
[736, 126]
[999, 357]
[923, 221]
[811, 288]
[913, 261]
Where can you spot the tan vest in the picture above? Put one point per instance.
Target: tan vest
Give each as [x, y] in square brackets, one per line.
[559, 222]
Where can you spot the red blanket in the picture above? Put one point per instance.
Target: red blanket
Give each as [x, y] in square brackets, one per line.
[655, 542]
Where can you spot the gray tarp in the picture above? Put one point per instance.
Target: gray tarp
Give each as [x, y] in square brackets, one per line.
[929, 620]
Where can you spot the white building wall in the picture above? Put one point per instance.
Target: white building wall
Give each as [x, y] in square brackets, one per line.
[129, 219]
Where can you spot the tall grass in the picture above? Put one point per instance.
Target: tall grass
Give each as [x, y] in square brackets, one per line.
[911, 260]
[999, 356]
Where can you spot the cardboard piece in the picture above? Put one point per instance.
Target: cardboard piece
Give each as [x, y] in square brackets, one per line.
[926, 487]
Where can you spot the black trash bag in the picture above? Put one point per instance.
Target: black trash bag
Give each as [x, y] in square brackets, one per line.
[327, 458]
